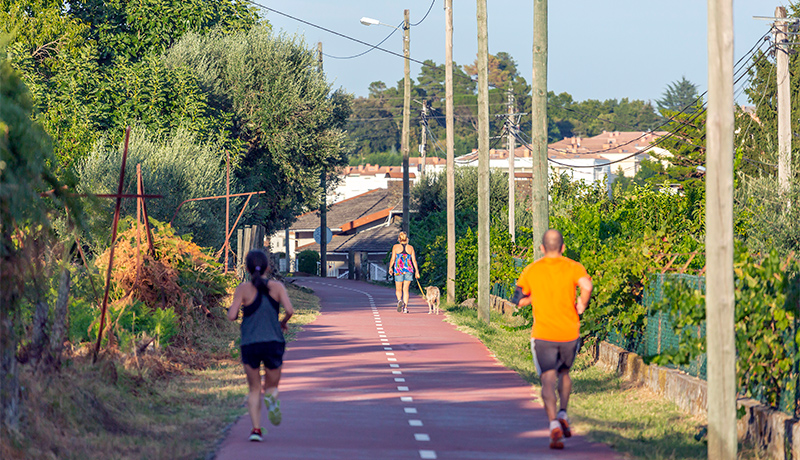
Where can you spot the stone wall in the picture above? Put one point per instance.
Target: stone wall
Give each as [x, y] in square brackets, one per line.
[775, 432]
[498, 304]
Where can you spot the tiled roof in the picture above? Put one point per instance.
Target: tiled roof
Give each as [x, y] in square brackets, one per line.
[378, 239]
[578, 147]
[352, 212]
[375, 170]
[608, 142]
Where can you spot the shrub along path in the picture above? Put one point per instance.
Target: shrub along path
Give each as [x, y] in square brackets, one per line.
[366, 382]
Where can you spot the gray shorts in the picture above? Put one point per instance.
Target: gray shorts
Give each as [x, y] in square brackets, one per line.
[558, 356]
[400, 277]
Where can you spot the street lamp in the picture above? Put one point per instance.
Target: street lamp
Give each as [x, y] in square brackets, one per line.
[404, 141]
[372, 22]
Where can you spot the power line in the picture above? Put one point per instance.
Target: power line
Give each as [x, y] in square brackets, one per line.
[365, 52]
[334, 32]
[670, 134]
[426, 15]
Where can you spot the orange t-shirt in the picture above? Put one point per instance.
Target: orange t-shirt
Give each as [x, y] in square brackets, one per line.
[550, 282]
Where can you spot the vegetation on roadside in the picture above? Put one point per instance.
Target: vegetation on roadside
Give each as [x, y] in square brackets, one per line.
[169, 404]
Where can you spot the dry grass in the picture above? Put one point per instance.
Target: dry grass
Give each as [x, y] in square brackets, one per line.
[173, 404]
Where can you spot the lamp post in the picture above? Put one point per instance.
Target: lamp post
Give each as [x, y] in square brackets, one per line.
[404, 141]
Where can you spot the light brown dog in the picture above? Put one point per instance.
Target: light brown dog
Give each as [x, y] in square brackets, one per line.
[432, 297]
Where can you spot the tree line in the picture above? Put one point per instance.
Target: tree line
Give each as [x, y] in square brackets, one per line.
[376, 121]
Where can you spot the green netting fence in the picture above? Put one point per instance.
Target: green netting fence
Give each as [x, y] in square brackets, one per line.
[659, 335]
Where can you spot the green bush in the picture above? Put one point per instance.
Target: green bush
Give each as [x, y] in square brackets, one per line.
[307, 261]
[767, 290]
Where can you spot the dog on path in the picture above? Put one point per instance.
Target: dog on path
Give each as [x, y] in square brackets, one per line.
[432, 297]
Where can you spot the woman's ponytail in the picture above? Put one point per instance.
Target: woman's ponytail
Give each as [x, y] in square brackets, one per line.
[257, 264]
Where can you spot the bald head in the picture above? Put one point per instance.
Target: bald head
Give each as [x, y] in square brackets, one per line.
[553, 242]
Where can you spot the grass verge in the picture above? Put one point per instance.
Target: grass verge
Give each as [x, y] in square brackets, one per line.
[169, 406]
[631, 419]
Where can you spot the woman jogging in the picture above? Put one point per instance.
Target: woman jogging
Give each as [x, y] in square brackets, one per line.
[403, 266]
[262, 337]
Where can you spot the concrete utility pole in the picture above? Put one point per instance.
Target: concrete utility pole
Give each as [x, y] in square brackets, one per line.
[483, 163]
[784, 101]
[719, 235]
[406, 111]
[423, 124]
[511, 159]
[540, 206]
[450, 132]
[323, 206]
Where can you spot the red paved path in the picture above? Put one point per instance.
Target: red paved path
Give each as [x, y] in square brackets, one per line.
[425, 390]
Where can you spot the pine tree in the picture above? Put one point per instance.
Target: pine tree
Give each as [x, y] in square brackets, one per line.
[678, 96]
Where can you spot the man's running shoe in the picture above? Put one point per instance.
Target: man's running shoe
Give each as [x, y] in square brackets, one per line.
[565, 427]
[400, 306]
[555, 438]
[273, 409]
[255, 435]
[405, 309]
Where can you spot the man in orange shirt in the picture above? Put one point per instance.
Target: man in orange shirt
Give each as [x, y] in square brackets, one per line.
[548, 285]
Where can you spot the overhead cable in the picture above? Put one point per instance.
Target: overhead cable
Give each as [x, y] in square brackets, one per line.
[364, 52]
[335, 33]
[426, 15]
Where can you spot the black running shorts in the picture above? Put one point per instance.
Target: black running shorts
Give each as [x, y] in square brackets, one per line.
[548, 356]
[270, 353]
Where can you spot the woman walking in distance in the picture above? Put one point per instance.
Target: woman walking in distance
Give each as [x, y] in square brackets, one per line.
[403, 266]
[262, 337]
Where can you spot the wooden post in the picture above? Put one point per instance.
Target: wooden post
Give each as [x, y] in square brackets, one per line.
[423, 124]
[540, 207]
[511, 160]
[483, 163]
[721, 347]
[406, 114]
[784, 101]
[288, 258]
[450, 132]
[323, 208]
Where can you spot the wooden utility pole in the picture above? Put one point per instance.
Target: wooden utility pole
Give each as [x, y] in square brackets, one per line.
[511, 160]
[784, 101]
[323, 206]
[540, 207]
[423, 124]
[483, 163]
[406, 114]
[721, 347]
[450, 132]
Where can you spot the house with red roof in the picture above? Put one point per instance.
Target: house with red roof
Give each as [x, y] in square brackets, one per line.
[364, 228]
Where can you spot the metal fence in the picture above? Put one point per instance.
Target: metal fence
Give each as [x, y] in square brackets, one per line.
[659, 336]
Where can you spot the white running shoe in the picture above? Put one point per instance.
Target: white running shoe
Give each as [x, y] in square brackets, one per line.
[273, 409]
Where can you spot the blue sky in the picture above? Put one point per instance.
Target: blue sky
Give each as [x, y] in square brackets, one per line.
[598, 49]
